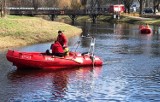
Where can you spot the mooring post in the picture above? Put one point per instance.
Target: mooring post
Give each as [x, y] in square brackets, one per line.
[94, 18]
[53, 17]
[73, 17]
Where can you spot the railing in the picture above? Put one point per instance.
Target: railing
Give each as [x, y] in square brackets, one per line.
[51, 11]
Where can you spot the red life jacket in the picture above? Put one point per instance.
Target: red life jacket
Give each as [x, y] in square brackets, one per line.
[57, 48]
[62, 39]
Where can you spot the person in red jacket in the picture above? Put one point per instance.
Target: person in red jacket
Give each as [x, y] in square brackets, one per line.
[57, 49]
[62, 39]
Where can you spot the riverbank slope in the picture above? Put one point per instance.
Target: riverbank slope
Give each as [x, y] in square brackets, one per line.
[132, 18]
[22, 30]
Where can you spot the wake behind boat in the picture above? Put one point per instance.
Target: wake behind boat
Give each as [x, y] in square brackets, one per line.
[39, 60]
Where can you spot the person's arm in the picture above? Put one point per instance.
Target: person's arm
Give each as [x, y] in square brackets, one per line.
[65, 41]
[51, 46]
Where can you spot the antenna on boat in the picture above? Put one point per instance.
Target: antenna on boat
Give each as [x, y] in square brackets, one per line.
[92, 44]
[91, 48]
[77, 45]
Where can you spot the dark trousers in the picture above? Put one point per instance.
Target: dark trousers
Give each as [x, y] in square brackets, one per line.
[55, 54]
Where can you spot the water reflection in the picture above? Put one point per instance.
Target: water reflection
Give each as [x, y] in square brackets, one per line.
[50, 85]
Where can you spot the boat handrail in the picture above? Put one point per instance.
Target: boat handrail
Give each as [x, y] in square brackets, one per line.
[92, 44]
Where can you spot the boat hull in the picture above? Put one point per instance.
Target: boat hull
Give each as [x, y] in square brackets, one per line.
[38, 60]
[145, 30]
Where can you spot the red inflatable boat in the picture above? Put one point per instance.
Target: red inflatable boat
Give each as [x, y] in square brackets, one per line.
[145, 30]
[38, 60]
[43, 61]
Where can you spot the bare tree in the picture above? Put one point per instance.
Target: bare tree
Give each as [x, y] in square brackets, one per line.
[156, 5]
[48, 3]
[127, 4]
[3, 7]
[54, 3]
[41, 3]
[141, 6]
[75, 5]
[84, 3]
[35, 4]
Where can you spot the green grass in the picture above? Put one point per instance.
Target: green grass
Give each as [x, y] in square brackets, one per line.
[23, 30]
[18, 17]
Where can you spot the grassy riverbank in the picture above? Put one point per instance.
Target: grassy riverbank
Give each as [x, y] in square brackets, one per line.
[136, 19]
[132, 18]
[22, 30]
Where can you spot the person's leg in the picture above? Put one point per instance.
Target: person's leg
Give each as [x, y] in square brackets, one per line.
[59, 54]
[48, 52]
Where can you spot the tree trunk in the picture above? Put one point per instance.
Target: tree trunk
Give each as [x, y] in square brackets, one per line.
[154, 6]
[141, 7]
[128, 10]
[1, 11]
[3, 8]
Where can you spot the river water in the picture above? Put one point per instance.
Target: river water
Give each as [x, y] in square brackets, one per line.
[130, 73]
